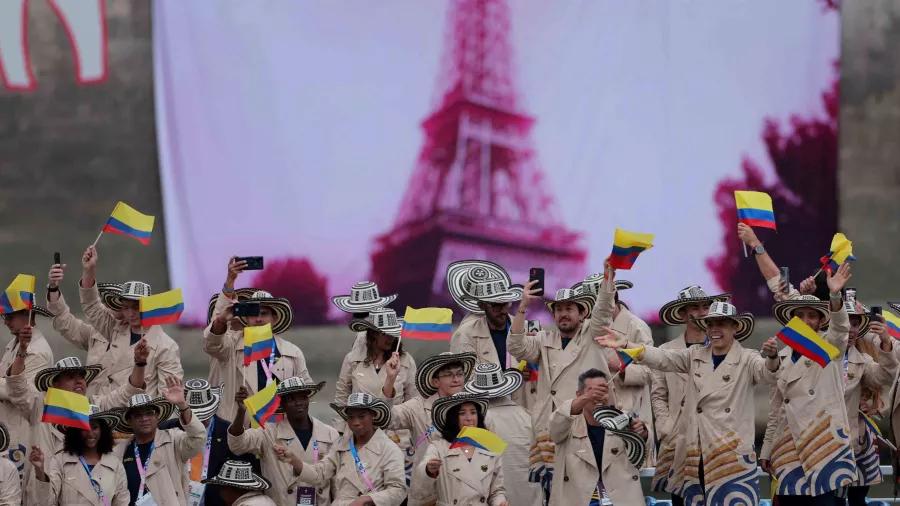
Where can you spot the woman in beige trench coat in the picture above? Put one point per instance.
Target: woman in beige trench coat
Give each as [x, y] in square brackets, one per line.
[467, 475]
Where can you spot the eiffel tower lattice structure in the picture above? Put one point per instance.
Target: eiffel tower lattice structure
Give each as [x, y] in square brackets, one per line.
[477, 190]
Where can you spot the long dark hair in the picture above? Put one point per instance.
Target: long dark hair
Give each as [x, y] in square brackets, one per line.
[73, 441]
[451, 424]
[371, 335]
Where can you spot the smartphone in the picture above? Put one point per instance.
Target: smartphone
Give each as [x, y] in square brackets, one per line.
[253, 263]
[537, 273]
[56, 259]
[533, 326]
[876, 310]
[850, 296]
[245, 308]
[787, 280]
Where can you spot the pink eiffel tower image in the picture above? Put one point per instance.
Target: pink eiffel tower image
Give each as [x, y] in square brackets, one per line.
[477, 190]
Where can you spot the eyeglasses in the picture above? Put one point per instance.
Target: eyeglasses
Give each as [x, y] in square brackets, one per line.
[453, 375]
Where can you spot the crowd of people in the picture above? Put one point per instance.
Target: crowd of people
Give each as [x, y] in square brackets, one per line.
[582, 407]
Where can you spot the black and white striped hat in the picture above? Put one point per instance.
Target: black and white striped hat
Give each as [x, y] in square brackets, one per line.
[238, 474]
[111, 294]
[363, 298]
[693, 294]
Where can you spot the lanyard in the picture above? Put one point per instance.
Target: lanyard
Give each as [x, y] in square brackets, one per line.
[268, 368]
[316, 451]
[846, 364]
[96, 485]
[209, 433]
[142, 466]
[412, 449]
[359, 466]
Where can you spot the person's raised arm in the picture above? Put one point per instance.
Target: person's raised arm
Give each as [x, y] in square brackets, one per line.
[97, 314]
[519, 345]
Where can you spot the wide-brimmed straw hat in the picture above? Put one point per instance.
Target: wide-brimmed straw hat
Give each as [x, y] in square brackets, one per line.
[725, 310]
[363, 298]
[591, 284]
[4, 438]
[241, 294]
[430, 366]
[618, 423]
[281, 307]
[442, 406]
[669, 313]
[297, 384]
[164, 410]
[583, 300]
[238, 474]
[110, 417]
[384, 320]
[43, 380]
[491, 381]
[359, 400]
[865, 317]
[783, 310]
[894, 305]
[35, 309]
[111, 294]
[472, 281]
[202, 398]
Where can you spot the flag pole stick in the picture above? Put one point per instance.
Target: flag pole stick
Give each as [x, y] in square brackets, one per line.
[745, 248]
[400, 338]
[31, 309]
[97, 239]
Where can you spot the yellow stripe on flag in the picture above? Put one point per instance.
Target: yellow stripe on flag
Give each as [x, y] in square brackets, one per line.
[253, 335]
[133, 218]
[437, 315]
[753, 200]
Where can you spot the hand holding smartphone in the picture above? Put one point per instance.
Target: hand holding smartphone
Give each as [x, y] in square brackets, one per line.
[785, 276]
[245, 308]
[537, 274]
[253, 263]
[56, 259]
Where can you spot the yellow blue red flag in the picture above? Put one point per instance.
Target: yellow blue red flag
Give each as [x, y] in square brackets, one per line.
[626, 248]
[479, 438]
[805, 341]
[124, 220]
[430, 324]
[841, 251]
[67, 408]
[162, 308]
[755, 209]
[262, 404]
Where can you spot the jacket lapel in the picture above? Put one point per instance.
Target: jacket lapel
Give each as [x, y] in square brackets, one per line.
[78, 478]
[162, 445]
[613, 449]
[565, 357]
[720, 377]
[467, 472]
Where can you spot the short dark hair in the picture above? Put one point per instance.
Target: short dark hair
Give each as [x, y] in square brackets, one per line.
[451, 424]
[590, 374]
[73, 441]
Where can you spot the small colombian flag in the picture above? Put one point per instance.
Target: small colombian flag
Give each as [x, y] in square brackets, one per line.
[262, 404]
[841, 251]
[626, 248]
[629, 355]
[529, 369]
[755, 209]
[805, 341]
[258, 343]
[67, 408]
[873, 428]
[479, 438]
[162, 308]
[19, 295]
[430, 323]
[893, 324]
[126, 221]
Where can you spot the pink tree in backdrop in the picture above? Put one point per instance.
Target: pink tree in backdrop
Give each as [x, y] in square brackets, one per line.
[297, 280]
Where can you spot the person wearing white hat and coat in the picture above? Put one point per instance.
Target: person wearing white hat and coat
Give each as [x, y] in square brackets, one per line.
[298, 431]
[223, 341]
[362, 300]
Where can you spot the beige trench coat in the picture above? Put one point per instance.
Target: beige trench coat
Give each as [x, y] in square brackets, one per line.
[383, 463]
[667, 397]
[165, 356]
[808, 433]
[83, 336]
[254, 499]
[575, 476]
[70, 484]
[30, 402]
[474, 336]
[512, 423]
[167, 477]
[415, 416]
[10, 484]
[260, 441]
[721, 428]
[37, 358]
[227, 366]
[462, 482]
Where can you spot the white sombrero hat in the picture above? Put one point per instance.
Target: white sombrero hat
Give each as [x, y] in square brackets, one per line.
[384, 320]
[894, 305]
[284, 315]
[35, 309]
[109, 417]
[693, 294]
[112, 293]
[363, 298]
[473, 281]
[725, 310]
[591, 285]
[241, 294]
[202, 398]
[445, 404]
[297, 384]
[164, 410]
[619, 423]
[865, 318]
[43, 380]
[4, 438]
[238, 474]
[783, 310]
[585, 300]
[359, 400]
[430, 366]
[491, 381]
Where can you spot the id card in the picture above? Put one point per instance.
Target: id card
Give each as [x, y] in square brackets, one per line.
[306, 496]
[146, 500]
[195, 493]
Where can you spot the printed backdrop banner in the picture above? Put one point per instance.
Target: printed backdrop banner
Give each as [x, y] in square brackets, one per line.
[348, 141]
